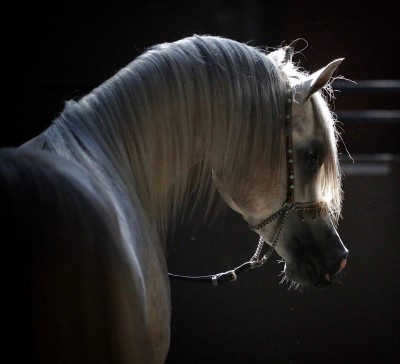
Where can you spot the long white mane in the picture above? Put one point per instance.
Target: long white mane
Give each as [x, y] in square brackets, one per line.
[201, 99]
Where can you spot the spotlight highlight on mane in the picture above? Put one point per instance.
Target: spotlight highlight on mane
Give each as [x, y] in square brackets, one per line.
[223, 97]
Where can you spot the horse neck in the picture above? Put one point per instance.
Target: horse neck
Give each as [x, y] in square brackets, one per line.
[147, 142]
[152, 121]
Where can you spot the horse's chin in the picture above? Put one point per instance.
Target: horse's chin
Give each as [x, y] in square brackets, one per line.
[308, 274]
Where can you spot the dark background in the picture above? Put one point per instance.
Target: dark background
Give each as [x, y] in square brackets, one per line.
[54, 52]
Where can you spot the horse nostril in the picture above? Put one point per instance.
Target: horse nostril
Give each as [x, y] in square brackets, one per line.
[330, 276]
[342, 265]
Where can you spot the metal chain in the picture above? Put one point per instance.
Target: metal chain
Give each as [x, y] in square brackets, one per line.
[255, 259]
[267, 220]
[298, 206]
[310, 205]
[307, 206]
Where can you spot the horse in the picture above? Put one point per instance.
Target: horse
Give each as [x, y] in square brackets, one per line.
[204, 111]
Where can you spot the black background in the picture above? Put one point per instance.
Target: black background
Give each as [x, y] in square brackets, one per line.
[54, 52]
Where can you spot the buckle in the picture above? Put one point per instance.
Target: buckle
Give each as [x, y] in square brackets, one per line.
[231, 273]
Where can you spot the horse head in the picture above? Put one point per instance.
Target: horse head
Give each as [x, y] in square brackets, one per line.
[303, 232]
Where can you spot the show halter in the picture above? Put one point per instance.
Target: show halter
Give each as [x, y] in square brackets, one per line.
[312, 208]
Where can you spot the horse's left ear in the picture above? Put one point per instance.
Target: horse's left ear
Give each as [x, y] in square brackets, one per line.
[316, 81]
[282, 55]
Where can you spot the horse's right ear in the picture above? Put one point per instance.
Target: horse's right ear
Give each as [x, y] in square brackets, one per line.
[316, 81]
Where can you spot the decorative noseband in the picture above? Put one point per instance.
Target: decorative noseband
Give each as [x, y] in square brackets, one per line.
[310, 208]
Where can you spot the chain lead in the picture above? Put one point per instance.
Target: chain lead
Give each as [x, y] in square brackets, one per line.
[255, 259]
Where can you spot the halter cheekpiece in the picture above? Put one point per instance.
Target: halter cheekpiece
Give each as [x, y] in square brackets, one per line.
[309, 208]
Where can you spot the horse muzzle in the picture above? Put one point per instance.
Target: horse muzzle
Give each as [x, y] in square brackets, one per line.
[310, 271]
[313, 252]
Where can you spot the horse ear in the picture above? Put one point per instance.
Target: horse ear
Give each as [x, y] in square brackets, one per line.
[317, 80]
[282, 55]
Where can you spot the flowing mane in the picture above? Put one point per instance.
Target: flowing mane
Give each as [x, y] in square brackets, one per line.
[331, 177]
[200, 97]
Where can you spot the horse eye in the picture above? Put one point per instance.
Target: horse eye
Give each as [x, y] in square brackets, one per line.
[312, 160]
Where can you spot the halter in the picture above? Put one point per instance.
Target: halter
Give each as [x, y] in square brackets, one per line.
[310, 208]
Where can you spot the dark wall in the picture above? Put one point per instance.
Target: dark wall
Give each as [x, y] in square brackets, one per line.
[52, 53]
[60, 51]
